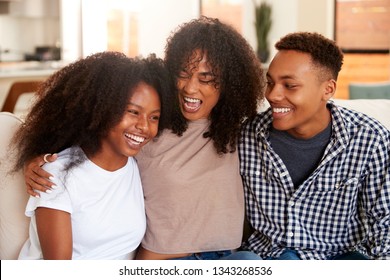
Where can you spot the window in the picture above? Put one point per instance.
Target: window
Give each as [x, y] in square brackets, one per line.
[122, 26]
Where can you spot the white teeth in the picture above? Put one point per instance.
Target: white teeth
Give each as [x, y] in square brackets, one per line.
[194, 100]
[281, 110]
[135, 137]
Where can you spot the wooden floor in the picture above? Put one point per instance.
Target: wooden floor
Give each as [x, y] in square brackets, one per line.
[362, 68]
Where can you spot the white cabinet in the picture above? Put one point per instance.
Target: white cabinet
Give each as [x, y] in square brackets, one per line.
[32, 8]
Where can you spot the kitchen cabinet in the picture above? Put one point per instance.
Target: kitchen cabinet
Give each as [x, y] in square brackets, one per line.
[28, 24]
[30, 8]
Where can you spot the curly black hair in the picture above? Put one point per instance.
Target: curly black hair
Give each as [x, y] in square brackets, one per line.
[238, 72]
[81, 102]
[324, 52]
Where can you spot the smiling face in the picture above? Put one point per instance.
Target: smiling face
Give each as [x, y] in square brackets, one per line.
[297, 91]
[196, 88]
[137, 127]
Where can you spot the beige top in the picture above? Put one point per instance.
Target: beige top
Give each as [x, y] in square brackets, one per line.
[193, 198]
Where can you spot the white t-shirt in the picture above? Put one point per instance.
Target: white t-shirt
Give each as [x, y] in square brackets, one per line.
[107, 209]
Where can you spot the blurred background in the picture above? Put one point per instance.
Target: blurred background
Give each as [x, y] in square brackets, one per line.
[38, 37]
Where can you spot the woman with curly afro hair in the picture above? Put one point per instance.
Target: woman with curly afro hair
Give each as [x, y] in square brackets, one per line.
[96, 114]
[193, 191]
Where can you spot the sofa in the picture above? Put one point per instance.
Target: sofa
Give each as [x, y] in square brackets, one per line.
[13, 196]
[376, 108]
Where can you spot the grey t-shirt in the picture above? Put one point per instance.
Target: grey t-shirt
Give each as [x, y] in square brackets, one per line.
[301, 156]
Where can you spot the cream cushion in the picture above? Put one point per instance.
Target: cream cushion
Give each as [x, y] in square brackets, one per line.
[13, 196]
[376, 108]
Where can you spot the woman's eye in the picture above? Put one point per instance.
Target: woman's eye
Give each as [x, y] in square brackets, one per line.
[289, 86]
[206, 77]
[269, 84]
[155, 118]
[207, 81]
[134, 112]
[183, 75]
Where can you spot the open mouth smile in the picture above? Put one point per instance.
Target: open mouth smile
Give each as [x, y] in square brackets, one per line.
[192, 104]
[137, 140]
[281, 110]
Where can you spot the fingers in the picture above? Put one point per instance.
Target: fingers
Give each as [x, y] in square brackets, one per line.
[36, 178]
[40, 181]
[37, 183]
[31, 191]
[40, 176]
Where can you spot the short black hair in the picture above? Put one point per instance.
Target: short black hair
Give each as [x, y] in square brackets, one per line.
[323, 51]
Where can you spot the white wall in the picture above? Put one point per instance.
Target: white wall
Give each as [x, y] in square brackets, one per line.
[94, 26]
[158, 18]
[71, 38]
[299, 15]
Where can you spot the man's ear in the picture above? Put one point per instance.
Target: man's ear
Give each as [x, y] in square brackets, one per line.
[329, 89]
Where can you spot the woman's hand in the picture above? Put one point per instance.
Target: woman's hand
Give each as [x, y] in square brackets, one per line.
[35, 177]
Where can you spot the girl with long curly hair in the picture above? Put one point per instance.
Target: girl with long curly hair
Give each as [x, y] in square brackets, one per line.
[96, 114]
[193, 190]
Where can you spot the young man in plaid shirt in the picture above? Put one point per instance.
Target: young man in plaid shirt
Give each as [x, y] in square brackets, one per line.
[316, 176]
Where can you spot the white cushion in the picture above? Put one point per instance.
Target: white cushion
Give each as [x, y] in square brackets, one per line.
[13, 196]
[376, 108]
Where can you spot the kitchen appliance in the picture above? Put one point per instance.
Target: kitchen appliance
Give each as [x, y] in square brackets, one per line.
[44, 53]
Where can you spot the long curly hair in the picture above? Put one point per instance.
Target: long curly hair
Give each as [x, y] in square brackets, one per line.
[239, 76]
[80, 103]
[324, 52]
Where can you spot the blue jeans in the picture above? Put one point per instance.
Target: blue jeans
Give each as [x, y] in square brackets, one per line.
[221, 255]
[350, 256]
[290, 254]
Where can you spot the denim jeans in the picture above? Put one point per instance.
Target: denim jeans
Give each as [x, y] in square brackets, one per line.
[290, 254]
[221, 255]
[350, 256]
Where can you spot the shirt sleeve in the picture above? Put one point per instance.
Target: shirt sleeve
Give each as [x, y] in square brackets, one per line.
[376, 201]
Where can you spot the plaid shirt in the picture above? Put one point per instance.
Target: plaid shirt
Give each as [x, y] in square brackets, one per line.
[343, 205]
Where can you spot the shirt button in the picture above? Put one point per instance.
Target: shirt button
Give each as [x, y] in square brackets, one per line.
[257, 173]
[284, 174]
[290, 234]
[291, 203]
